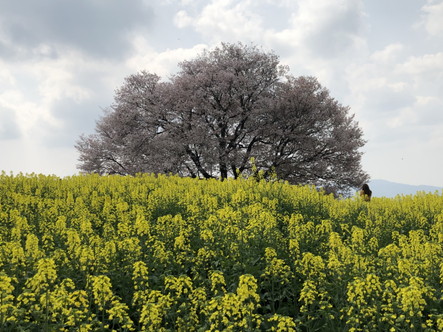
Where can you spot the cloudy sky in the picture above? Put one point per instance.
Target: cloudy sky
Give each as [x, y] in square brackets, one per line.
[61, 61]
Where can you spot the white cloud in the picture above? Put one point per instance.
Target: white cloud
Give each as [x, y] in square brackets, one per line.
[428, 64]
[22, 110]
[187, 2]
[433, 20]
[328, 28]
[392, 97]
[321, 39]
[424, 73]
[51, 98]
[182, 19]
[315, 37]
[6, 77]
[386, 72]
[225, 20]
[55, 77]
[389, 54]
[163, 63]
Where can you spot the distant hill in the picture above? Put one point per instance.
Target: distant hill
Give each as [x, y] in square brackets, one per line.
[383, 188]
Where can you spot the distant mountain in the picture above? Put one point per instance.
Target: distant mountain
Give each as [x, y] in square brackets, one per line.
[383, 188]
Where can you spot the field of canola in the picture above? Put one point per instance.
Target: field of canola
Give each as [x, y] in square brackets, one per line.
[148, 253]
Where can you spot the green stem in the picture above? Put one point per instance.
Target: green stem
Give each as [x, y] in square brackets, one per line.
[1, 317]
[47, 312]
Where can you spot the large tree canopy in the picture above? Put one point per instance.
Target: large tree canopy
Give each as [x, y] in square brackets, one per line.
[223, 109]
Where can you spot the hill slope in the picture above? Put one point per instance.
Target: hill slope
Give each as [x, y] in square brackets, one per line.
[163, 253]
[383, 188]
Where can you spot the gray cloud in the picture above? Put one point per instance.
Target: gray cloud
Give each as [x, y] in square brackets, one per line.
[385, 101]
[392, 21]
[337, 34]
[97, 27]
[77, 116]
[9, 128]
[274, 17]
[74, 119]
[327, 30]
[61, 60]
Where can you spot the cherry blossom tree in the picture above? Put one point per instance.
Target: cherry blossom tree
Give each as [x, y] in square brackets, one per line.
[225, 108]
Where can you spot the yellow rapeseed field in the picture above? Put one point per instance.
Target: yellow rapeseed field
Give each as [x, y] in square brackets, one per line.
[163, 253]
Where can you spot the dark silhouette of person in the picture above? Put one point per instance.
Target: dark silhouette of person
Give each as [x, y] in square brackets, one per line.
[365, 193]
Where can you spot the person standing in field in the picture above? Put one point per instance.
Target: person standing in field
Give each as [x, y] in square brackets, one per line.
[365, 193]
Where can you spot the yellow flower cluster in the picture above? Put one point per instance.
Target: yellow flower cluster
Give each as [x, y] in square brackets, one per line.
[6, 300]
[164, 253]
